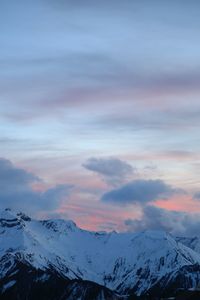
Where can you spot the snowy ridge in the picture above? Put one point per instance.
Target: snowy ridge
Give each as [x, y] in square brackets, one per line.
[193, 243]
[122, 262]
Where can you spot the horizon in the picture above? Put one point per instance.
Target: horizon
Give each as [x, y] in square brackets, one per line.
[19, 214]
[99, 117]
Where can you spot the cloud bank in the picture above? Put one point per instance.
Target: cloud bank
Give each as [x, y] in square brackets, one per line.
[175, 222]
[139, 191]
[16, 190]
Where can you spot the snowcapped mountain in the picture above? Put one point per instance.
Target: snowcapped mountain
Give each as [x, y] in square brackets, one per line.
[193, 243]
[58, 255]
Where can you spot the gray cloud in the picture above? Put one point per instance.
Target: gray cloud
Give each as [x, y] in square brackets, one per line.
[139, 191]
[53, 196]
[16, 190]
[15, 175]
[175, 222]
[196, 196]
[113, 170]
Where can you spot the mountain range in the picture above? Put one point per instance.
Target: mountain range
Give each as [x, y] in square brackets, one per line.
[56, 260]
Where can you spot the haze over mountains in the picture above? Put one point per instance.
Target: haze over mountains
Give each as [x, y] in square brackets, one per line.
[58, 260]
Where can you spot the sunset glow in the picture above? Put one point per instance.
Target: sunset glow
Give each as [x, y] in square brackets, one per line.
[100, 109]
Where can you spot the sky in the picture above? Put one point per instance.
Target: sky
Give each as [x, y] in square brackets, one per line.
[100, 112]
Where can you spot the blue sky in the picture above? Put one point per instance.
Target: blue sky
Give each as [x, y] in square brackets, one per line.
[86, 87]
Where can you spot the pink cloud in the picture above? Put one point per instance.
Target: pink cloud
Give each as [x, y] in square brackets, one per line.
[183, 203]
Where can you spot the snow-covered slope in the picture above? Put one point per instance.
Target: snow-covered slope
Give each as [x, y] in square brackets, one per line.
[193, 242]
[123, 262]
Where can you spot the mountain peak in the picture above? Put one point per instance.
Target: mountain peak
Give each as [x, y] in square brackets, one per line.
[11, 218]
[119, 261]
[7, 214]
[10, 214]
[59, 225]
[156, 234]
